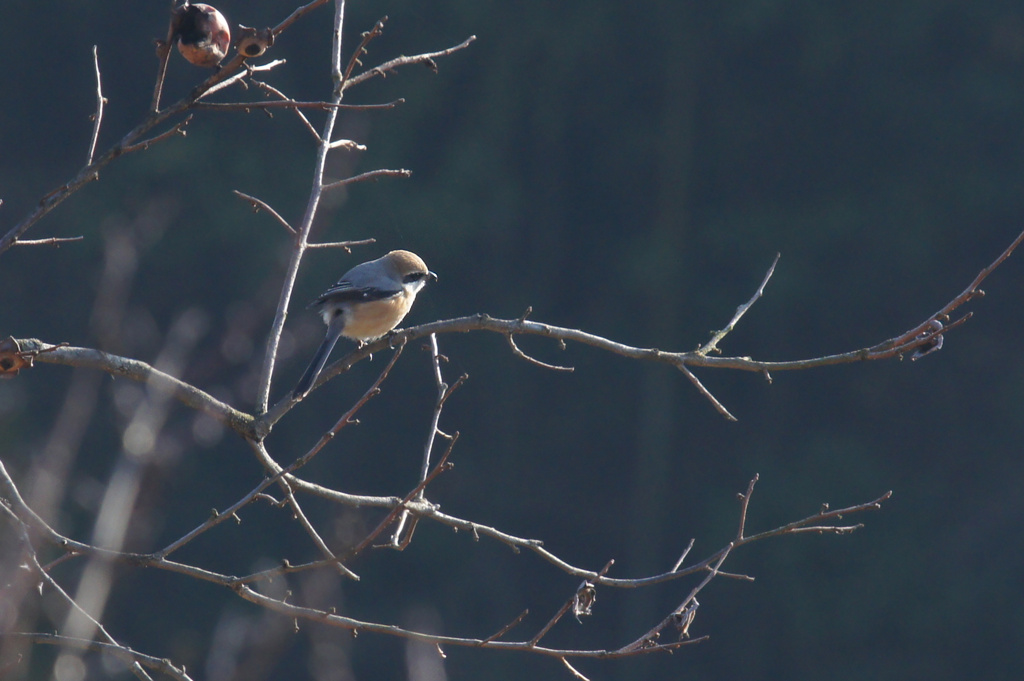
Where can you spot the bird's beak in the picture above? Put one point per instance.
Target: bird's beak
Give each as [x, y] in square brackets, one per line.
[431, 275]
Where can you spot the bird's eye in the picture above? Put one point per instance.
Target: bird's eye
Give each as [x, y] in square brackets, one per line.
[413, 276]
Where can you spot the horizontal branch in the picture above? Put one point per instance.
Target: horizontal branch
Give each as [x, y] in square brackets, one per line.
[368, 175]
[292, 104]
[51, 241]
[255, 428]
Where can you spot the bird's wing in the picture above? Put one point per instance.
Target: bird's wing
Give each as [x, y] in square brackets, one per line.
[344, 291]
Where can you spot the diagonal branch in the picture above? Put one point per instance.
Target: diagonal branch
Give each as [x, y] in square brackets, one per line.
[140, 371]
[712, 345]
[387, 67]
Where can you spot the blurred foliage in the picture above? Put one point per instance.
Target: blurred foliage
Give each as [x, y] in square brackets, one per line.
[629, 169]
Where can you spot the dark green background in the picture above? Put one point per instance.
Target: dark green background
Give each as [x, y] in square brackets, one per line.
[626, 168]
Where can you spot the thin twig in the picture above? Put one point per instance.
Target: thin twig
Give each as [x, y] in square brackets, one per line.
[433, 432]
[123, 653]
[405, 503]
[533, 360]
[267, 87]
[321, 545]
[178, 129]
[507, 628]
[369, 175]
[296, 15]
[719, 407]
[292, 104]
[368, 36]
[259, 204]
[97, 118]
[573, 670]
[906, 340]
[388, 66]
[435, 418]
[347, 245]
[51, 241]
[163, 53]
[712, 345]
[686, 552]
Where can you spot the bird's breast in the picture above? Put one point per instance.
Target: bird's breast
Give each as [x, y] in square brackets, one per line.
[369, 320]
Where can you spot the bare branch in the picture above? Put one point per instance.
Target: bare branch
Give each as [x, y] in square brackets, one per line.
[51, 241]
[534, 360]
[507, 628]
[346, 245]
[123, 653]
[368, 36]
[97, 117]
[267, 87]
[142, 372]
[296, 15]
[259, 204]
[163, 53]
[719, 407]
[389, 66]
[314, 535]
[369, 175]
[178, 129]
[572, 670]
[292, 104]
[910, 339]
[712, 345]
[682, 558]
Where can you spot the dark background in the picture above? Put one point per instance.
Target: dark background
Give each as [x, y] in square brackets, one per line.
[630, 169]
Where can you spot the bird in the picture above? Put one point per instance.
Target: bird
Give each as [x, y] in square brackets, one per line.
[368, 301]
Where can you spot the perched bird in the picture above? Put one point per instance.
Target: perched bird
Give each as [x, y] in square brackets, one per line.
[368, 301]
[202, 34]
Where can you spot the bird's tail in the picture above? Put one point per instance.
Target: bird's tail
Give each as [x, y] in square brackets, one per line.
[315, 366]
